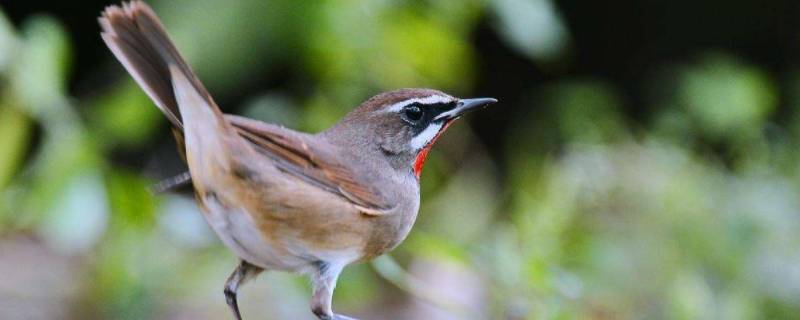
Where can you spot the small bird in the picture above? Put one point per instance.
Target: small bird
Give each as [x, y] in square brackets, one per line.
[282, 199]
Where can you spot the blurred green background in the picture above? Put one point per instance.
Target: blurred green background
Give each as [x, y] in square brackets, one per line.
[642, 163]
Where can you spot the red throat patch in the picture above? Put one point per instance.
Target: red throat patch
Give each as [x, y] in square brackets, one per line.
[423, 154]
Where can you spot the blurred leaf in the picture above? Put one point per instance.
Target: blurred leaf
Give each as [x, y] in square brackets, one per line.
[119, 278]
[422, 53]
[533, 27]
[79, 216]
[38, 83]
[8, 42]
[182, 222]
[724, 95]
[15, 132]
[131, 201]
[461, 17]
[322, 111]
[395, 48]
[358, 287]
[692, 298]
[273, 108]
[229, 43]
[587, 110]
[58, 160]
[123, 116]
[39, 77]
[431, 246]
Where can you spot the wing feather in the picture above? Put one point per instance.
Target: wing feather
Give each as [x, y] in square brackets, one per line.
[296, 154]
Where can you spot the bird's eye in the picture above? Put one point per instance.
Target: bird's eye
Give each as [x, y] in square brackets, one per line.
[413, 112]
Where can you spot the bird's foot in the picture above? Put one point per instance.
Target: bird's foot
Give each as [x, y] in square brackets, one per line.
[230, 298]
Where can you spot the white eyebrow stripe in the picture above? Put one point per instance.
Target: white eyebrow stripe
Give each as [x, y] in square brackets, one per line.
[423, 138]
[434, 99]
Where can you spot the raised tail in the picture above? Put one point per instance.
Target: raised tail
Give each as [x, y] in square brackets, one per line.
[137, 38]
[139, 41]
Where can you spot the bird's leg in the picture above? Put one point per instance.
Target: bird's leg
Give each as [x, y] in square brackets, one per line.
[324, 281]
[244, 272]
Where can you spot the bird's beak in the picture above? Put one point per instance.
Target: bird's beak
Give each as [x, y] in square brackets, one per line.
[464, 106]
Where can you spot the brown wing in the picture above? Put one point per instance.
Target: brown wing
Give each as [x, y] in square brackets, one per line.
[295, 154]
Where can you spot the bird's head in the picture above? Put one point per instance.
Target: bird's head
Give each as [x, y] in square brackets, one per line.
[402, 125]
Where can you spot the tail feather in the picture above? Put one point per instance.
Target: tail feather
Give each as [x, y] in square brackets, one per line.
[139, 41]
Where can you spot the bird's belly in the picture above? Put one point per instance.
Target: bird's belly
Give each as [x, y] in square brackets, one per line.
[235, 227]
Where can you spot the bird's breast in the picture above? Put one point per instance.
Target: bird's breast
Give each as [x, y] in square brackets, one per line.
[390, 230]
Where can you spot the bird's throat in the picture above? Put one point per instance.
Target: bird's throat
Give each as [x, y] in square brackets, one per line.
[419, 161]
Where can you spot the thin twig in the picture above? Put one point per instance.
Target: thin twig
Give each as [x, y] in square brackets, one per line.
[171, 183]
[389, 269]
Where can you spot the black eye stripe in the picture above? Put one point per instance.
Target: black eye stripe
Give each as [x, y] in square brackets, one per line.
[441, 107]
[419, 116]
[435, 107]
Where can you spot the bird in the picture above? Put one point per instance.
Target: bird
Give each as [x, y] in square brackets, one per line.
[280, 199]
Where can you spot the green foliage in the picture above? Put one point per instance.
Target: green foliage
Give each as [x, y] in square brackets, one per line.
[725, 96]
[691, 214]
[15, 131]
[118, 119]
